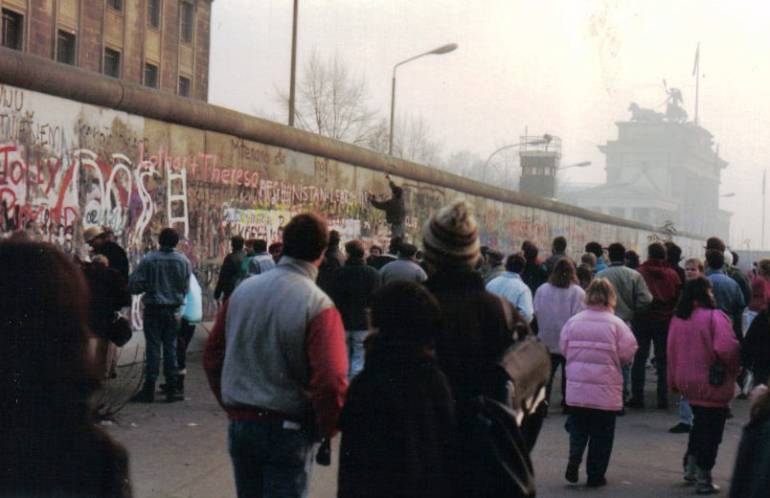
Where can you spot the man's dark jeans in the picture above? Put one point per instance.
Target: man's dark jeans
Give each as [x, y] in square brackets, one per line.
[161, 326]
[270, 460]
[647, 332]
[706, 434]
[596, 429]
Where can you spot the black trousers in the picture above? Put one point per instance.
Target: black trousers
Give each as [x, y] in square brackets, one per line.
[556, 360]
[595, 429]
[186, 331]
[706, 435]
[647, 332]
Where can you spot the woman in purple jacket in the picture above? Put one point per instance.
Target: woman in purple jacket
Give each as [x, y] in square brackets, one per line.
[596, 344]
[555, 302]
[701, 337]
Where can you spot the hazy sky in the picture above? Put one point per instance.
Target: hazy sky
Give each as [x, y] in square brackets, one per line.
[569, 68]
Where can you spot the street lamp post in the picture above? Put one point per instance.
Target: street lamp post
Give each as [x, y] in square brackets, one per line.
[444, 49]
[293, 73]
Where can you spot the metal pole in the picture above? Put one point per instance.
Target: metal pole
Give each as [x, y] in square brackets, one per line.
[764, 179]
[392, 112]
[293, 77]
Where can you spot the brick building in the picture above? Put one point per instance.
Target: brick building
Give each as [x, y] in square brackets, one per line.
[162, 44]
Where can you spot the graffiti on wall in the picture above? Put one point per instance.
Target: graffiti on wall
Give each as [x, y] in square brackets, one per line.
[66, 166]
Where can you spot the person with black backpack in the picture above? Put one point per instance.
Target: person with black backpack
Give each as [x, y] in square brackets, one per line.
[479, 329]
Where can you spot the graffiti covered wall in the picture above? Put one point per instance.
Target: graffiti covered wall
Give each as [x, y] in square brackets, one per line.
[66, 166]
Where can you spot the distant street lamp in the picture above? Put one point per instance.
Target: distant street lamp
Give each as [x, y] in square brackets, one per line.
[731, 194]
[444, 49]
[583, 164]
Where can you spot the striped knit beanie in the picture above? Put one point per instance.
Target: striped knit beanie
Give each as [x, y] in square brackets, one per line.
[451, 237]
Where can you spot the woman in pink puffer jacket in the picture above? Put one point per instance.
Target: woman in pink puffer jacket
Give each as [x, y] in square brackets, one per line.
[596, 344]
[701, 335]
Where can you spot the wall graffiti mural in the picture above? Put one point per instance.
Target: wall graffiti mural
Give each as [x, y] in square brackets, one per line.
[66, 166]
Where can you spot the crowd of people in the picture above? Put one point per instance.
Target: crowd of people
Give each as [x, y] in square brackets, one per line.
[402, 352]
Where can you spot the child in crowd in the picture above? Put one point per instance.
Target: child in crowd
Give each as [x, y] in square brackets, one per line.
[596, 344]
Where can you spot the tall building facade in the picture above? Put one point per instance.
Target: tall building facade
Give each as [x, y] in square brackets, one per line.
[161, 44]
[661, 173]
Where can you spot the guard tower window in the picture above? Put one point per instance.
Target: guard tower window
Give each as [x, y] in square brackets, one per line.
[13, 29]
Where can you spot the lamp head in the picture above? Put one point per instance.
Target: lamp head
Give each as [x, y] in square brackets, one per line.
[445, 49]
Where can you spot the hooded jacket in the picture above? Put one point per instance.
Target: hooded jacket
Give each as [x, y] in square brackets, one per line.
[664, 284]
[596, 344]
[397, 426]
[693, 346]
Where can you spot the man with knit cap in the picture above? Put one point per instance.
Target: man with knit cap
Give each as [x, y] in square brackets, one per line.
[476, 330]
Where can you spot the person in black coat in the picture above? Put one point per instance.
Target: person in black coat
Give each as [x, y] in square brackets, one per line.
[751, 476]
[755, 351]
[398, 422]
[351, 290]
[230, 272]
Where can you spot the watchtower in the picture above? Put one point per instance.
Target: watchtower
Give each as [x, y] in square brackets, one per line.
[539, 163]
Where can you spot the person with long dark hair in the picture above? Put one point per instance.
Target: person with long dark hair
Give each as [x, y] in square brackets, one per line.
[703, 363]
[399, 416]
[557, 301]
[50, 446]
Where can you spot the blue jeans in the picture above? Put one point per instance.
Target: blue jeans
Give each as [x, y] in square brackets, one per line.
[161, 326]
[270, 461]
[685, 412]
[356, 350]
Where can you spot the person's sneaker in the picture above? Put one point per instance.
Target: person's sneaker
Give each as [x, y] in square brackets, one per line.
[703, 483]
[680, 428]
[690, 469]
[571, 475]
[635, 403]
[706, 488]
[596, 482]
[146, 395]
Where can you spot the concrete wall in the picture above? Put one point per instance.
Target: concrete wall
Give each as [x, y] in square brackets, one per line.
[66, 165]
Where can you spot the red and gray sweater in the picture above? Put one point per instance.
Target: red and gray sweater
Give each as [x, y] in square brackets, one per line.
[279, 345]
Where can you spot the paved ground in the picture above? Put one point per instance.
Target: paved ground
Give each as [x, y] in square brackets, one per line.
[179, 450]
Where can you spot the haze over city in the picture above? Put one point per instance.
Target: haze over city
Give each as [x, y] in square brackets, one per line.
[565, 68]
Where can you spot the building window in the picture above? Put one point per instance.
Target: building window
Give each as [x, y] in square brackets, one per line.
[115, 4]
[187, 18]
[13, 29]
[153, 13]
[151, 75]
[112, 63]
[65, 47]
[184, 86]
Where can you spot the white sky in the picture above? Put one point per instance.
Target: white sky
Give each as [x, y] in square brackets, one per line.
[569, 68]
